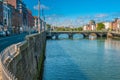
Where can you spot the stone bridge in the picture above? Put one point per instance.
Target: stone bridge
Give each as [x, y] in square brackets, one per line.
[72, 33]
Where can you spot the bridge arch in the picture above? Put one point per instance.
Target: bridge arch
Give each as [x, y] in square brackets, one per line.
[93, 36]
[84, 33]
[60, 36]
[63, 36]
[101, 34]
[78, 36]
[110, 35]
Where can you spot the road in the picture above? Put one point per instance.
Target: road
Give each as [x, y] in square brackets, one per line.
[7, 41]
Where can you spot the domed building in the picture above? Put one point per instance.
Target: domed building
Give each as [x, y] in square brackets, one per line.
[92, 24]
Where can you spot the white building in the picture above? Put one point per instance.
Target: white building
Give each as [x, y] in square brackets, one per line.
[85, 27]
[93, 27]
[107, 25]
[118, 24]
[35, 23]
[89, 27]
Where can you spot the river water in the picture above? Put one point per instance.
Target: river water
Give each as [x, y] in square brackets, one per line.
[82, 59]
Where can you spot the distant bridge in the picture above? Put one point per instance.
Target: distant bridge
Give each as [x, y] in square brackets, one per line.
[72, 33]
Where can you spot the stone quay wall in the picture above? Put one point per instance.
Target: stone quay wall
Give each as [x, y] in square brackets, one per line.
[24, 61]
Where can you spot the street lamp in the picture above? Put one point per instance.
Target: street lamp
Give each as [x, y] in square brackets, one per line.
[39, 27]
[44, 23]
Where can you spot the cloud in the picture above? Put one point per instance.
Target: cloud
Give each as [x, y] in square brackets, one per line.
[54, 19]
[61, 20]
[42, 6]
[101, 15]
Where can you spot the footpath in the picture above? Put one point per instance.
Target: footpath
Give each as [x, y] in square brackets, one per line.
[0, 73]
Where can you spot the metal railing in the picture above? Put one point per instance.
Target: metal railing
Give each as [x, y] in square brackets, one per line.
[6, 57]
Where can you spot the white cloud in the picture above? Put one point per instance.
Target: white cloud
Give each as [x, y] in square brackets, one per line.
[101, 15]
[42, 6]
[54, 19]
[61, 20]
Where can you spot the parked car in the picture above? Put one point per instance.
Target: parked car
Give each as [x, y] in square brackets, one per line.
[2, 33]
[33, 31]
[7, 33]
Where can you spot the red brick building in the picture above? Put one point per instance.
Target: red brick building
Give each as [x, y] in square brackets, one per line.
[16, 20]
[91, 26]
[30, 19]
[114, 24]
[14, 3]
[21, 7]
[22, 17]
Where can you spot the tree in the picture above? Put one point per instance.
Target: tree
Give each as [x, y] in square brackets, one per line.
[48, 26]
[80, 28]
[101, 26]
[60, 29]
[68, 29]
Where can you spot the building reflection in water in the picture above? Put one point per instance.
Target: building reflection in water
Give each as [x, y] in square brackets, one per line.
[111, 43]
[92, 37]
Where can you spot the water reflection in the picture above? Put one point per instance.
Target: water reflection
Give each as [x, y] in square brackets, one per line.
[111, 43]
[92, 37]
[53, 37]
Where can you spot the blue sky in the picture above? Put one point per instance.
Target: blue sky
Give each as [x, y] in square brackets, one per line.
[76, 12]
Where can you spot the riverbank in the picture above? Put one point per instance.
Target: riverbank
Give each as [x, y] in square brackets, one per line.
[116, 38]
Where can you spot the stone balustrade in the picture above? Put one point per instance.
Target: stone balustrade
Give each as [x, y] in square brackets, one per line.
[24, 61]
[6, 57]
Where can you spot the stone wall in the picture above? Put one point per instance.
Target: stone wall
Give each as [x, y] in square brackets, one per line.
[114, 35]
[27, 65]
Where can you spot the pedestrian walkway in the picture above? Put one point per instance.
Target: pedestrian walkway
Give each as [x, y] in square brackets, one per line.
[0, 73]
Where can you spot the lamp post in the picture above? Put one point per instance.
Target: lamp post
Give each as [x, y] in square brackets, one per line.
[44, 23]
[39, 27]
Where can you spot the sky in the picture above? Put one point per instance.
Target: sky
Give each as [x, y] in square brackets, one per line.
[76, 12]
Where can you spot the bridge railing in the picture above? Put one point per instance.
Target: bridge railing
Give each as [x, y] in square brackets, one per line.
[115, 32]
[6, 57]
[81, 31]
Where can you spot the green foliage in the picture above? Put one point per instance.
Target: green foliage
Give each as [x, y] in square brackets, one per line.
[80, 28]
[68, 29]
[101, 26]
[48, 26]
[60, 29]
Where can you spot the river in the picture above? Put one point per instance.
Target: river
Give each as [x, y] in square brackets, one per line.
[82, 59]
